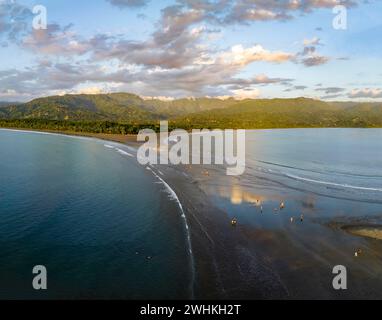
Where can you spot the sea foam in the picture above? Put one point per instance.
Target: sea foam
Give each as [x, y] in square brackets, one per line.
[174, 196]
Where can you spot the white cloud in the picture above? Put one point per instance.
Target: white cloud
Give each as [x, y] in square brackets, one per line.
[161, 98]
[128, 3]
[366, 93]
[312, 42]
[242, 94]
[241, 56]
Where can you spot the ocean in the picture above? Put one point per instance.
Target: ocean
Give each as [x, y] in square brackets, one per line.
[103, 226]
[106, 227]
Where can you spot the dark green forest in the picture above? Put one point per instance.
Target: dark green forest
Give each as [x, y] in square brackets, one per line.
[124, 113]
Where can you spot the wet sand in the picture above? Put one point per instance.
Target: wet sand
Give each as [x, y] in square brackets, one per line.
[130, 139]
[293, 260]
[268, 255]
[273, 253]
[370, 231]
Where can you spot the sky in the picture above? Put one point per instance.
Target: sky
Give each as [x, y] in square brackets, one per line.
[323, 49]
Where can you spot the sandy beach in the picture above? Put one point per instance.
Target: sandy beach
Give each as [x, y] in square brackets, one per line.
[368, 231]
[271, 254]
[291, 262]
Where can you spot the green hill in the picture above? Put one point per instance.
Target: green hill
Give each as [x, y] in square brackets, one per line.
[285, 113]
[81, 107]
[4, 104]
[127, 113]
[119, 107]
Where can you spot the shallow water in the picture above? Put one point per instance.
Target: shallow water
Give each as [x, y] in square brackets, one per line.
[106, 227]
[339, 164]
[103, 226]
[327, 178]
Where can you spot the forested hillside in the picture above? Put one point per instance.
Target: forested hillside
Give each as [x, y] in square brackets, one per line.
[127, 113]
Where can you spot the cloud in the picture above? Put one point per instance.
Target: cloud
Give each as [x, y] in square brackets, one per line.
[173, 45]
[15, 20]
[90, 90]
[240, 15]
[242, 94]
[56, 40]
[293, 88]
[315, 60]
[300, 87]
[48, 78]
[312, 42]
[128, 3]
[331, 96]
[179, 42]
[309, 55]
[366, 93]
[244, 56]
[177, 59]
[246, 11]
[161, 98]
[331, 90]
[16, 27]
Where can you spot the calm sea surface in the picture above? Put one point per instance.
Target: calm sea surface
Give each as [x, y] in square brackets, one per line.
[103, 226]
[106, 227]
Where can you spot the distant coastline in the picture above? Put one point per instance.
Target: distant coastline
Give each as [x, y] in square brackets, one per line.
[131, 138]
[221, 252]
[126, 113]
[119, 138]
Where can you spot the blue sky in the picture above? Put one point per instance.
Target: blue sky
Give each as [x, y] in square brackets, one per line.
[191, 48]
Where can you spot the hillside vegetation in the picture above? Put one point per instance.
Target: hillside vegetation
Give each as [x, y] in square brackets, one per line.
[120, 107]
[127, 113]
[286, 113]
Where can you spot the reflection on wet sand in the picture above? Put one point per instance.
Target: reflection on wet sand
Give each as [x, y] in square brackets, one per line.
[291, 239]
[367, 231]
[238, 195]
[289, 231]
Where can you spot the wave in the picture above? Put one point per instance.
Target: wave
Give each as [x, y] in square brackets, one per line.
[333, 183]
[174, 197]
[120, 151]
[49, 134]
[318, 171]
[316, 181]
[160, 172]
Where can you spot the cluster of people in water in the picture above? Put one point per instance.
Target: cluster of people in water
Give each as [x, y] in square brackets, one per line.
[234, 221]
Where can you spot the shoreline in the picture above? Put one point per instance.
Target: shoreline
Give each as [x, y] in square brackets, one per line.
[211, 238]
[119, 138]
[131, 142]
[365, 231]
[233, 263]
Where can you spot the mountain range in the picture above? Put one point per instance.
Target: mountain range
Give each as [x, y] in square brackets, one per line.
[126, 108]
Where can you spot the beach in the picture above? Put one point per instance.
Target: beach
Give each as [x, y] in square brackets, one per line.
[273, 253]
[250, 263]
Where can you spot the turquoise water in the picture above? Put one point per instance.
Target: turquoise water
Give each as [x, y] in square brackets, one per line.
[103, 226]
